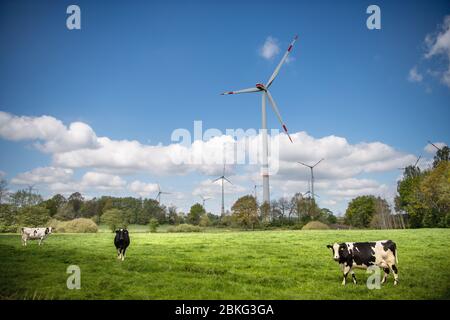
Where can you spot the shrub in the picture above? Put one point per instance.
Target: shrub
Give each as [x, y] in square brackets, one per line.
[184, 228]
[80, 225]
[113, 218]
[315, 225]
[153, 224]
[35, 216]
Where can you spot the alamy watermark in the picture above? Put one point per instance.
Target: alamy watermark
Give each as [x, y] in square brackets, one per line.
[74, 280]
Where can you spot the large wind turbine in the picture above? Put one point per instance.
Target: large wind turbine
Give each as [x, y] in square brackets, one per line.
[312, 176]
[415, 164]
[222, 177]
[158, 196]
[259, 87]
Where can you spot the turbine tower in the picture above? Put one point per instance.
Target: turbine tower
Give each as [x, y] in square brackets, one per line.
[222, 177]
[158, 196]
[259, 87]
[312, 176]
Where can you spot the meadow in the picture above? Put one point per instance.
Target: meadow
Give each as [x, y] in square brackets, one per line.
[219, 265]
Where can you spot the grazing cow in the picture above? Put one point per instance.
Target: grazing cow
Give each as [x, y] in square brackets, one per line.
[121, 241]
[35, 234]
[365, 254]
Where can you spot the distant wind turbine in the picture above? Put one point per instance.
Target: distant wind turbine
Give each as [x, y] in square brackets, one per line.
[204, 199]
[415, 164]
[259, 87]
[158, 196]
[222, 177]
[312, 175]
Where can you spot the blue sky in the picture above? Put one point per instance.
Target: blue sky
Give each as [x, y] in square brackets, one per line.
[139, 71]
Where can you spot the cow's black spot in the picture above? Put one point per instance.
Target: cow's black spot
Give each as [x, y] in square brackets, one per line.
[364, 253]
[394, 268]
[386, 270]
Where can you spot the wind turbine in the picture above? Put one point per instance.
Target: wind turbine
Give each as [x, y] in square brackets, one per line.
[222, 177]
[158, 196]
[415, 164]
[204, 199]
[434, 145]
[312, 176]
[259, 87]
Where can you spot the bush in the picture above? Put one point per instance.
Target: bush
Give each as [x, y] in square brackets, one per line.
[35, 216]
[80, 225]
[153, 224]
[315, 225]
[184, 228]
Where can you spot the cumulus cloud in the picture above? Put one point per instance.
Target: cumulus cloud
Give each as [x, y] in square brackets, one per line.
[414, 75]
[49, 133]
[102, 181]
[438, 44]
[45, 175]
[143, 189]
[270, 48]
[209, 187]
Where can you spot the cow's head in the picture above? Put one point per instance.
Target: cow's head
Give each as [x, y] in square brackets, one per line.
[48, 230]
[340, 251]
[122, 234]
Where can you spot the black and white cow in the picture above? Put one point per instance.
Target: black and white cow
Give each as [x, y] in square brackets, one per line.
[35, 234]
[121, 241]
[365, 254]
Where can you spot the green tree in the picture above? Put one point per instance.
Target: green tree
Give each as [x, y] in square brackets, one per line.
[114, 218]
[442, 155]
[195, 214]
[204, 221]
[360, 211]
[3, 190]
[55, 203]
[33, 216]
[245, 211]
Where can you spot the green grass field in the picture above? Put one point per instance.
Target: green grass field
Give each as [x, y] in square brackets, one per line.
[227, 265]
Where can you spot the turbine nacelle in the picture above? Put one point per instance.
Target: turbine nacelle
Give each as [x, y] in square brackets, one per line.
[261, 87]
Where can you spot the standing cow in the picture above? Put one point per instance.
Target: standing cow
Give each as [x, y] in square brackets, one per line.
[121, 241]
[35, 234]
[365, 254]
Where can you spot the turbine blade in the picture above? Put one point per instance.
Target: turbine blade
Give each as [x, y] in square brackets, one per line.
[228, 180]
[254, 89]
[417, 160]
[318, 162]
[277, 112]
[304, 164]
[277, 69]
[217, 179]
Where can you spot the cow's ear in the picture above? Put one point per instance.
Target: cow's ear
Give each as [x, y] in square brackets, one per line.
[329, 246]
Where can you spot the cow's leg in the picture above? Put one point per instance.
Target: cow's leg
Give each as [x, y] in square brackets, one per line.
[346, 271]
[123, 253]
[386, 273]
[395, 272]
[353, 277]
[118, 253]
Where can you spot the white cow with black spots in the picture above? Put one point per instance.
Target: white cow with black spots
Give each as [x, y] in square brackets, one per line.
[351, 255]
[35, 234]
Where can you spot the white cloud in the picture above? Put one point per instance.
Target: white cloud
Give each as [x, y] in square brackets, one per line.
[45, 175]
[143, 189]
[414, 75]
[102, 180]
[50, 134]
[438, 44]
[270, 48]
[429, 148]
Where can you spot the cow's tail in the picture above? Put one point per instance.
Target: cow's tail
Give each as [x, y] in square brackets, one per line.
[395, 253]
